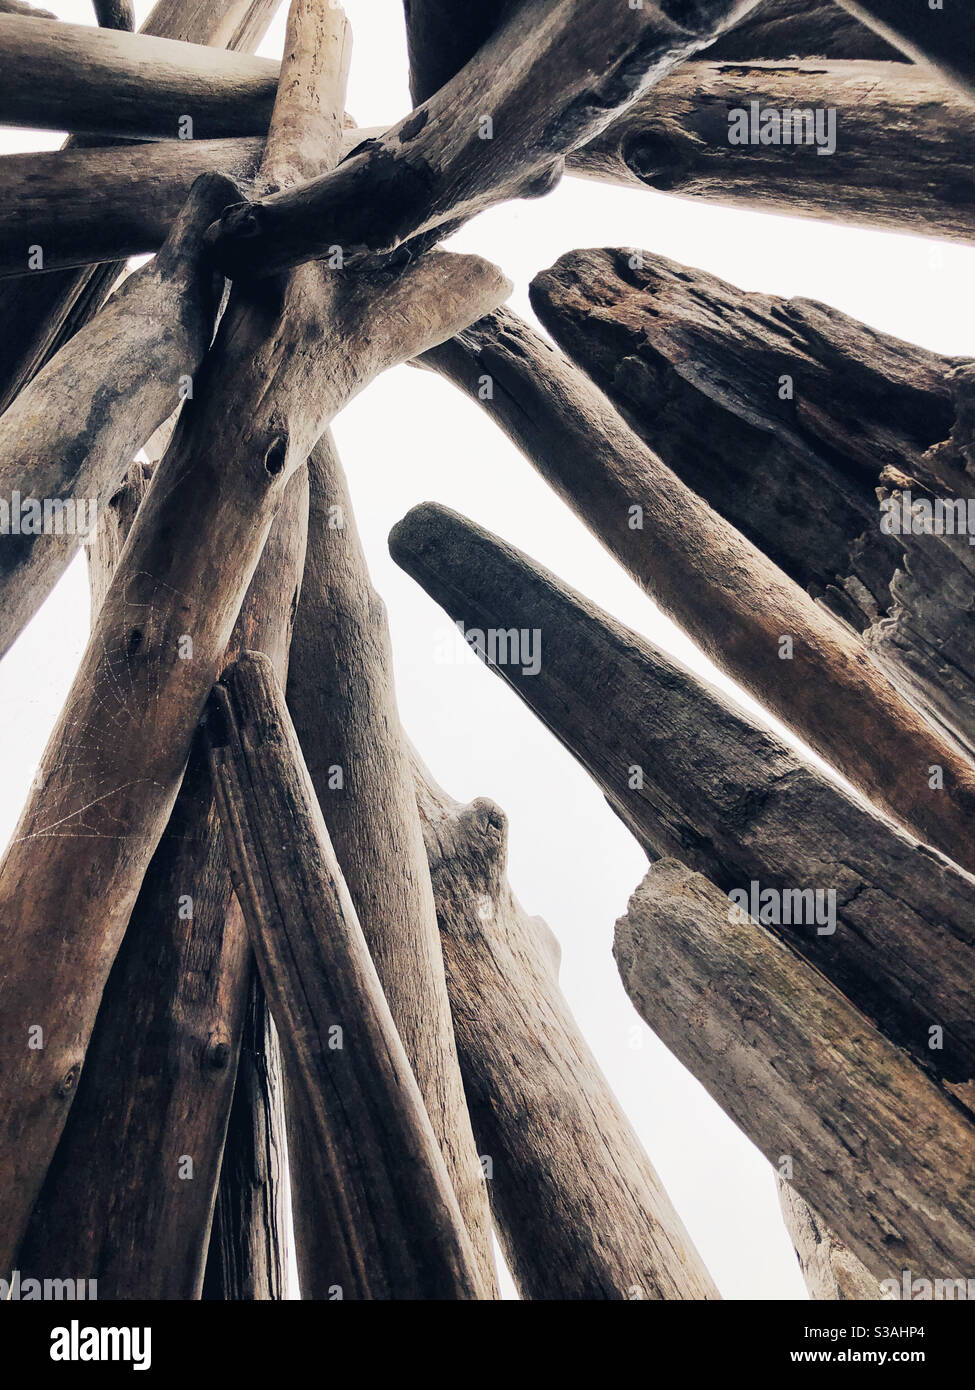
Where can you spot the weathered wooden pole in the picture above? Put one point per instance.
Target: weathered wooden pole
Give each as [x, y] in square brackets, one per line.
[746, 614]
[396, 1224]
[342, 699]
[693, 776]
[884, 1155]
[283, 364]
[108, 82]
[581, 1212]
[898, 142]
[180, 981]
[67, 440]
[43, 312]
[786, 416]
[830, 1269]
[550, 78]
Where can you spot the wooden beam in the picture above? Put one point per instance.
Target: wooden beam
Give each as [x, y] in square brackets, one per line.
[70, 435]
[550, 78]
[397, 1227]
[693, 776]
[942, 36]
[898, 141]
[830, 1269]
[886, 1158]
[705, 574]
[342, 699]
[786, 416]
[581, 1212]
[107, 82]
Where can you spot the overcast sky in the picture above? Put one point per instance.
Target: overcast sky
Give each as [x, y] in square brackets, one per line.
[411, 437]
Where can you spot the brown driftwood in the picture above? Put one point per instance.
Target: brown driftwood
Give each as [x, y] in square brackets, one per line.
[84, 205]
[343, 702]
[900, 154]
[830, 1269]
[708, 577]
[397, 1227]
[70, 435]
[693, 776]
[43, 312]
[581, 1213]
[115, 14]
[284, 362]
[697, 368]
[107, 82]
[553, 76]
[884, 1155]
[801, 29]
[942, 35]
[180, 982]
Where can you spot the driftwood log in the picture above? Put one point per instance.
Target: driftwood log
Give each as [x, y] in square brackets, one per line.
[898, 149]
[693, 776]
[786, 416]
[881, 1152]
[105, 82]
[69, 437]
[180, 981]
[283, 364]
[707, 576]
[343, 702]
[581, 1213]
[499, 129]
[831, 1271]
[43, 312]
[397, 1228]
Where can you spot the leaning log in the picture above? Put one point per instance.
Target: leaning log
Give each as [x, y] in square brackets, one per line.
[886, 1158]
[115, 14]
[108, 82]
[581, 1212]
[397, 1226]
[706, 575]
[830, 1269]
[67, 440]
[939, 34]
[787, 416]
[550, 78]
[693, 776]
[343, 702]
[118, 751]
[43, 312]
[801, 29]
[899, 142]
[84, 205]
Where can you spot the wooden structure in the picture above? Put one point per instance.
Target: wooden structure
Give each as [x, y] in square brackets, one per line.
[214, 952]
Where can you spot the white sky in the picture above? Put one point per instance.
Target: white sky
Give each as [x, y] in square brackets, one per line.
[411, 437]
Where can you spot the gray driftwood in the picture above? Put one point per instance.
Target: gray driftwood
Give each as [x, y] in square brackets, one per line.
[831, 1271]
[708, 577]
[550, 78]
[285, 360]
[42, 312]
[904, 140]
[70, 435]
[108, 82]
[397, 1228]
[787, 416]
[693, 776]
[883, 1154]
[801, 29]
[581, 1213]
[343, 702]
